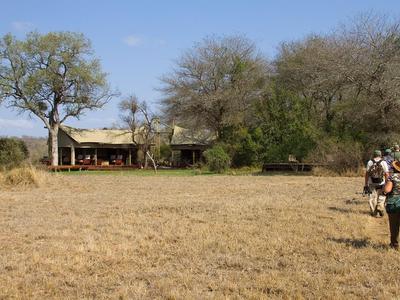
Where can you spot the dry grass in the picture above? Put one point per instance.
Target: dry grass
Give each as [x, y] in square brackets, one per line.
[24, 176]
[194, 237]
[326, 172]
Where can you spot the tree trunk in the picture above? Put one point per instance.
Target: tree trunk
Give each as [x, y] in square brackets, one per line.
[53, 145]
[152, 160]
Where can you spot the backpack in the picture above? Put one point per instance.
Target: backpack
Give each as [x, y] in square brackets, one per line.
[376, 172]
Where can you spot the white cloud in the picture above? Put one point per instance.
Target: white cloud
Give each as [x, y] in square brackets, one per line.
[132, 41]
[22, 26]
[16, 124]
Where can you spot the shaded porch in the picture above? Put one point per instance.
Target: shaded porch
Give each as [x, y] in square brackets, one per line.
[97, 156]
[184, 156]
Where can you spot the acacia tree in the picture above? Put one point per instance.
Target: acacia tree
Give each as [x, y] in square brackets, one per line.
[53, 77]
[214, 84]
[143, 125]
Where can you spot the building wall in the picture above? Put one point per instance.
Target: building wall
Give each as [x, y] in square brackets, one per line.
[65, 141]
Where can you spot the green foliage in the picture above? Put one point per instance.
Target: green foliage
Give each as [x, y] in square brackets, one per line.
[217, 159]
[13, 153]
[52, 76]
[243, 145]
[286, 126]
[165, 151]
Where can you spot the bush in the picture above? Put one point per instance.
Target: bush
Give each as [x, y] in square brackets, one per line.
[165, 151]
[342, 157]
[13, 153]
[217, 159]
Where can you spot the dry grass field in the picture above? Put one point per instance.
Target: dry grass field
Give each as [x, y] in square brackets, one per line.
[199, 237]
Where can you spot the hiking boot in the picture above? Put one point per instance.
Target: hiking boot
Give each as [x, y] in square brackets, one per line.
[394, 246]
[380, 212]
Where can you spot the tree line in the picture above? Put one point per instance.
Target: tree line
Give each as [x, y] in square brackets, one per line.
[325, 97]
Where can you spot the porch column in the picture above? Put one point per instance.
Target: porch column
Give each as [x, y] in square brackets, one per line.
[172, 158]
[60, 156]
[194, 157]
[129, 156]
[72, 155]
[95, 156]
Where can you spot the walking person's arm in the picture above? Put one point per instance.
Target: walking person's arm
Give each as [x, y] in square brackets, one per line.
[388, 187]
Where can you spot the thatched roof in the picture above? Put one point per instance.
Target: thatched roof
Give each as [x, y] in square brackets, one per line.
[183, 136]
[100, 136]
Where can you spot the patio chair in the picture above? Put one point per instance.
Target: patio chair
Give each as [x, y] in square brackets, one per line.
[118, 161]
[87, 160]
[79, 159]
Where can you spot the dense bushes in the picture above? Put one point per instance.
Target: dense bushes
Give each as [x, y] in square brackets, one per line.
[243, 145]
[13, 153]
[339, 156]
[217, 159]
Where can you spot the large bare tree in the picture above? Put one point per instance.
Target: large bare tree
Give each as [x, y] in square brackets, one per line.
[214, 84]
[143, 125]
[53, 77]
[351, 76]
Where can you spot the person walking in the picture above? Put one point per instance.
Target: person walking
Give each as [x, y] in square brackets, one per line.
[388, 158]
[392, 191]
[376, 175]
[396, 152]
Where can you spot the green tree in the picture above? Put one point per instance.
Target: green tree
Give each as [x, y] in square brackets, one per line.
[217, 159]
[53, 77]
[244, 145]
[287, 127]
[13, 152]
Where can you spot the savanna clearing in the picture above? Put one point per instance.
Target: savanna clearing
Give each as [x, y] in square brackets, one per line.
[110, 236]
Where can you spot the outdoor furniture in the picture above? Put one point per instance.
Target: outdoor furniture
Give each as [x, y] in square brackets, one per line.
[118, 161]
[79, 159]
[87, 160]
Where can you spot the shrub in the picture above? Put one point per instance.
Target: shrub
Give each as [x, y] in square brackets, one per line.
[165, 152]
[13, 153]
[342, 157]
[217, 159]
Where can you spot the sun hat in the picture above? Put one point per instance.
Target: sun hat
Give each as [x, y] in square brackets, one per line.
[396, 165]
[388, 151]
[377, 153]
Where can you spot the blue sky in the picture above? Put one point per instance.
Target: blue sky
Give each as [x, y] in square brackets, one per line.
[138, 41]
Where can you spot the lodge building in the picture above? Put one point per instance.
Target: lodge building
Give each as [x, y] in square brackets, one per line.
[105, 147]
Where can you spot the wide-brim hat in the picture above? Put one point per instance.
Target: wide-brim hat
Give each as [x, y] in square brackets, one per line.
[396, 165]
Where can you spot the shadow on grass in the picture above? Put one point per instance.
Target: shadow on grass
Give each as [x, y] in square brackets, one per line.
[281, 173]
[347, 210]
[355, 202]
[358, 243]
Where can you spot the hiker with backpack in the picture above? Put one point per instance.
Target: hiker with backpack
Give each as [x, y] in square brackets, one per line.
[392, 192]
[375, 178]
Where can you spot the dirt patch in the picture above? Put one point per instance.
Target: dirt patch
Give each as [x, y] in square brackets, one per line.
[194, 237]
